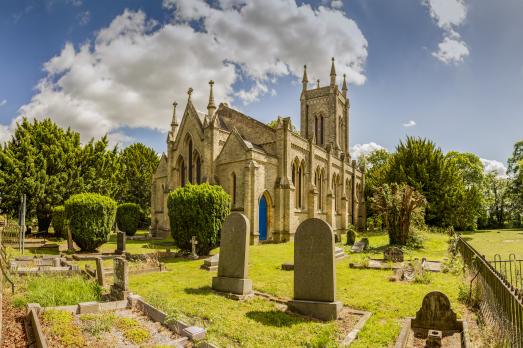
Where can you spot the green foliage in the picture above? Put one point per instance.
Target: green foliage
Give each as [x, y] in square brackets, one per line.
[91, 218]
[376, 167]
[421, 165]
[138, 164]
[59, 221]
[198, 210]
[49, 164]
[96, 324]
[398, 205]
[274, 124]
[351, 234]
[56, 291]
[128, 217]
[40, 161]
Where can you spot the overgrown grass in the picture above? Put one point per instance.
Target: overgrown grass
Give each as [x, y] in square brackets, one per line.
[492, 242]
[55, 290]
[184, 292]
[60, 325]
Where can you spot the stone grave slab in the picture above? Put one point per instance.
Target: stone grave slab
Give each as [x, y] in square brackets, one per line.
[314, 271]
[234, 257]
[393, 254]
[211, 263]
[360, 245]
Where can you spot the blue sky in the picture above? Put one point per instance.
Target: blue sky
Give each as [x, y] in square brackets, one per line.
[448, 70]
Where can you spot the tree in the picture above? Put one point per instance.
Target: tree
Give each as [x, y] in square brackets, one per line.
[375, 164]
[198, 210]
[138, 164]
[470, 195]
[398, 205]
[40, 160]
[99, 168]
[421, 165]
[498, 199]
[515, 171]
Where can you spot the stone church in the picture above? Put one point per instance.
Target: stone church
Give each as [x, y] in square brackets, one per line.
[275, 175]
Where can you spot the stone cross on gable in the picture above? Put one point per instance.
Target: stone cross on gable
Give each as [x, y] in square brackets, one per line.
[193, 247]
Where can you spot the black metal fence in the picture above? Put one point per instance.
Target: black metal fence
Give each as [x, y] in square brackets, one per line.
[510, 269]
[502, 302]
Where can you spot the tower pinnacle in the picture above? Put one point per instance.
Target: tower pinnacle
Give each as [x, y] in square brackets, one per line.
[333, 73]
[211, 107]
[344, 86]
[305, 80]
[174, 121]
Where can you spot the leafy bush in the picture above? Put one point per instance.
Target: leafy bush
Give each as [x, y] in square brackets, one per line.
[198, 210]
[128, 217]
[59, 221]
[351, 234]
[91, 218]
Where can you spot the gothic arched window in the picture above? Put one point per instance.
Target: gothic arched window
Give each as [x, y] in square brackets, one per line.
[198, 169]
[233, 183]
[190, 154]
[181, 171]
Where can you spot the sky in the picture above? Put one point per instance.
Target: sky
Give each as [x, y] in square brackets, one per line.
[447, 70]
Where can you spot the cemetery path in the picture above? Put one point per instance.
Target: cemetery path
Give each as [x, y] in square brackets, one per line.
[13, 325]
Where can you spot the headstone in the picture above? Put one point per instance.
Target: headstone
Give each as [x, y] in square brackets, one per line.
[314, 271]
[120, 242]
[234, 257]
[70, 246]
[435, 314]
[340, 253]
[360, 245]
[194, 242]
[99, 271]
[120, 287]
[211, 263]
[393, 254]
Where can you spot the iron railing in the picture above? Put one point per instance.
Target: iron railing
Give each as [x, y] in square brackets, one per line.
[501, 304]
[510, 269]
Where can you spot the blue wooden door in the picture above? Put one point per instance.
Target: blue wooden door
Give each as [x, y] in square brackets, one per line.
[262, 218]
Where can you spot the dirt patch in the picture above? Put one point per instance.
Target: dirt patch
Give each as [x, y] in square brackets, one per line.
[13, 330]
[346, 322]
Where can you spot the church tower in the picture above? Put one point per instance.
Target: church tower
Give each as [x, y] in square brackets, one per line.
[325, 113]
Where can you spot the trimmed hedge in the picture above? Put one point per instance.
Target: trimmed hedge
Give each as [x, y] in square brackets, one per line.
[91, 218]
[198, 210]
[128, 217]
[59, 221]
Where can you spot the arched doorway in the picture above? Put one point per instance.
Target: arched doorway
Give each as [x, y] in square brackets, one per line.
[263, 216]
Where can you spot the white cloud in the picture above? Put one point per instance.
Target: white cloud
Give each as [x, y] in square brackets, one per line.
[5, 134]
[448, 15]
[119, 139]
[364, 149]
[337, 4]
[134, 68]
[451, 50]
[411, 123]
[84, 17]
[3, 102]
[494, 166]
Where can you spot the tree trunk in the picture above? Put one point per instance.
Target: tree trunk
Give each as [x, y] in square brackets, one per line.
[44, 221]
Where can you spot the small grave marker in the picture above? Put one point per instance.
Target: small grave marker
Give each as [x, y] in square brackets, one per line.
[211, 263]
[435, 314]
[194, 242]
[120, 242]
[360, 245]
[120, 288]
[99, 271]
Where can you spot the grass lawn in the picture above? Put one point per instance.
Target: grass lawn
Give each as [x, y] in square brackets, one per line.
[492, 242]
[184, 292]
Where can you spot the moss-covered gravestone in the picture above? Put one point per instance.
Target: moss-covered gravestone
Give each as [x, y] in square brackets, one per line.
[314, 271]
[234, 257]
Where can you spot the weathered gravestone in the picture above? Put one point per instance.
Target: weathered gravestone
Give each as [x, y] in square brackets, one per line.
[393, 254]
[120, 242]
[234, 257]
[194, 242]
[211, 263]
[70, 246]
[360, 245]
[120, 287]
[435, 314]
[99, 271]
[314, 271]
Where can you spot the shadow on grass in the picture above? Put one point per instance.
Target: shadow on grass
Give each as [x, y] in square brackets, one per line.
[203, 290]
[274, 318]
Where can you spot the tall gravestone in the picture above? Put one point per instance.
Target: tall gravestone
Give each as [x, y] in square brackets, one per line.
[120, 242]
[234, 257]
[314, 271]
[120, 287]
[100, 271]
[436, 314]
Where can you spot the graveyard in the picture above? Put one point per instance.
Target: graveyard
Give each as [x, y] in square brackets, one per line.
[184, 291]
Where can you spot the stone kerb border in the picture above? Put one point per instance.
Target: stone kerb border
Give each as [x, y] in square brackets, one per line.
[401, 341]
[188, 332]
